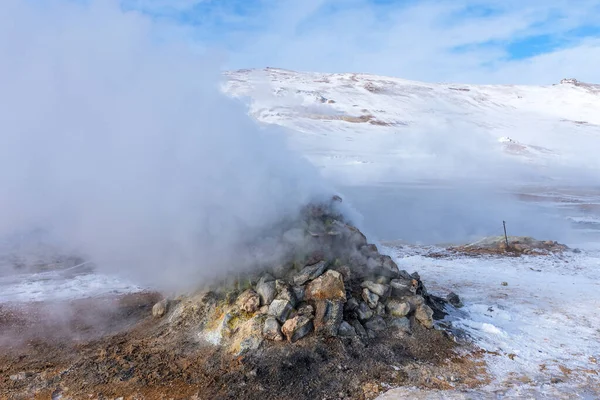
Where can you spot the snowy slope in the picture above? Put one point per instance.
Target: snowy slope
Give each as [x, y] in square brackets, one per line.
[375, 128]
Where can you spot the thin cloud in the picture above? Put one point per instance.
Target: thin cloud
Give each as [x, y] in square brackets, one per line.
[468, 40]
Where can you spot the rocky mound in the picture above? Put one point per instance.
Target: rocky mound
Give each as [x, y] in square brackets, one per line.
[517, 246]
[343, 287]
[336, 320]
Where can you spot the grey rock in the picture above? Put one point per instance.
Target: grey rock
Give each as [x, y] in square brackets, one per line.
[403, 287]
[297, 327]
[405, 275]
[298, 293]
[285, 292]
[359, 328]
[271, 330]
[160, 308]
[380, 309]
[397, 308]
[369, 250]
[266, 291]
[424, 314]
[306, 310]
[377, 288]
[328, 317]
[363, 311]
[387, 267]
[351, 304]
[401, 324]
[310, 272]
[280, 309]
[346, 330]
[376, 324]
[453, 299]
[370, 298]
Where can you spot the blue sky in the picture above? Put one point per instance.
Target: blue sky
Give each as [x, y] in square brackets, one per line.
[482, 41]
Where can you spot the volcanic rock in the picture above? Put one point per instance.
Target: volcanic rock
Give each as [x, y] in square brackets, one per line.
[397, 308]
[285, 292]
[346, 330]
[363, 312]
[370, 298]
[160, 308]
[266, 290]
[377, 288]
[307, 310]
[280, 309]
[453, 299]
[310, 272]
[329, 286]
[403, 287]
[424, 314]
[249, 301]
[328, 317]
[272, 330]
[376, 324]
[297, 327]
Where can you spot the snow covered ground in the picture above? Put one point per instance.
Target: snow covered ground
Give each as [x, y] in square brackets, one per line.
[541, 330]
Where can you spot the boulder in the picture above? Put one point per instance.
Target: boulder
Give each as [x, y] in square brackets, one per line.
[370, 298]
[424, 314]
[329, 286]
[377, 288]
[397, 308]
[328, 317]
[306, 310]
[403, 287]
[160, 308]
[376, 324]
[359, 328]
[346, 330]
[280, 309]
[298, 293]
[249, 301]
[266, 290]
[363, 312]
[309, 273]
[285, 292]
[388, 268]
[297, 327]
[453, 299]
[351, 304]
[271, 330]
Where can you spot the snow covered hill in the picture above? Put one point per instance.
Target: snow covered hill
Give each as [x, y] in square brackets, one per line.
[361, 127]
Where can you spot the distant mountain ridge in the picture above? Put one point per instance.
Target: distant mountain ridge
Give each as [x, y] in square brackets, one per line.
[376, 127]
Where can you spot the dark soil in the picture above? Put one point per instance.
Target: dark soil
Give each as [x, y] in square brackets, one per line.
[112, 347]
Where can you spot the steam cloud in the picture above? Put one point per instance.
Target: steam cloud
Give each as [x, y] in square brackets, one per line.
[120, 143]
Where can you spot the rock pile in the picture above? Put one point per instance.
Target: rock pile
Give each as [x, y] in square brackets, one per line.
[342, 287]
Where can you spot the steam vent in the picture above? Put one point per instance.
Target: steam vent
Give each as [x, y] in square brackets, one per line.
[342, 288]
[337, 320]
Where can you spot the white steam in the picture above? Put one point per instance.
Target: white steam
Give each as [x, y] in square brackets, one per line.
[122, 145]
